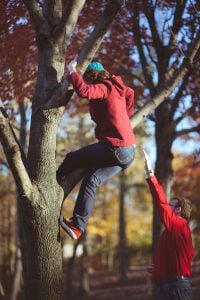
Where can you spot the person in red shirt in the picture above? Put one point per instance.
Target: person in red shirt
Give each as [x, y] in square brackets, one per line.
[111, 104]
[171, 268]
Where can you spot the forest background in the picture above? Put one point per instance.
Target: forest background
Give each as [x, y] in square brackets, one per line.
[154, 46]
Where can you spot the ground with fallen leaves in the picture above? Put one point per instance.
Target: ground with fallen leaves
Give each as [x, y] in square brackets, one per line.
[105, 285]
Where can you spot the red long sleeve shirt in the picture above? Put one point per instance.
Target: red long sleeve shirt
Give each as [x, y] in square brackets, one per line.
[175, 250]
[111, 103]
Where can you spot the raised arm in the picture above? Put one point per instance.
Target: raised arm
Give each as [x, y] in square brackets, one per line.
[84, 90]
[164, 210]
[89, 91]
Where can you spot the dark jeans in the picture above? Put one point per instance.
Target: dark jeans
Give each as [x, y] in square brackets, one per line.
[102, 162]
[174, 290]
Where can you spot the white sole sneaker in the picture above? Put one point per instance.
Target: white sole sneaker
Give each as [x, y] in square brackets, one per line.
[67, 229]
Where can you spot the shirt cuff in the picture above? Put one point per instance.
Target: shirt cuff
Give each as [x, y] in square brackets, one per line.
[149, 174]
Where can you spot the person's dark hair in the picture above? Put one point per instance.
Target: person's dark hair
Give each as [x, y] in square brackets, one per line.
[95, 76]
[186, 207]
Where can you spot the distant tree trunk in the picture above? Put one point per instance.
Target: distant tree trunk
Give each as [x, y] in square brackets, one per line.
[70, 267]
[84, 273]
[164, 136]
[17, 276]
[123, 254]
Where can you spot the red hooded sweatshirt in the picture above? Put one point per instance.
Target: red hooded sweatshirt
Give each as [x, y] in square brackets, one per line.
[175, 249]
[111, 104]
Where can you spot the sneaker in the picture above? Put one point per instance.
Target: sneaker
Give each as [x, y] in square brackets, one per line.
[69, 227]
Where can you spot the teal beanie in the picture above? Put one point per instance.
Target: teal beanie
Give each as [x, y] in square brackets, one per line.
[95, 65]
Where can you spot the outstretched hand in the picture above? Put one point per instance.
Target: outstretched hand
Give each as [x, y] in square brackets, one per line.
[72, 65]
[147, 161]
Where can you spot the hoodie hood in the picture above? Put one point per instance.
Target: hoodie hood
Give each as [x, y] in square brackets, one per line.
[118, 83]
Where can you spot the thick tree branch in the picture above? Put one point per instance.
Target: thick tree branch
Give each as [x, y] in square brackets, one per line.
[169, 86]
[52, 9]
[70, 17]
[14, 155]
[35, 12]
[158, 45]
[62, 95]
[163, 53]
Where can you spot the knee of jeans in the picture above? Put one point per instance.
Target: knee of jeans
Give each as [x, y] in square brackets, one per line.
[92, 179]
[127, 164]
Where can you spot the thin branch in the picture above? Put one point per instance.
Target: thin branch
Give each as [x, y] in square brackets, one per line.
[175, 42]
[149, 52]
[183, 115]
[136, 30]
[187, 130]
[179, 93]
[158, 45]
[164, 25]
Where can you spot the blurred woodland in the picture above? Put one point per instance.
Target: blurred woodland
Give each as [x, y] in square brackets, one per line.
[154, 46]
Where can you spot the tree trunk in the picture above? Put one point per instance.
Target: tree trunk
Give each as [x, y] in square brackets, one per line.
[42, 258]
[164, 135]
[123, 257]
[39, 211]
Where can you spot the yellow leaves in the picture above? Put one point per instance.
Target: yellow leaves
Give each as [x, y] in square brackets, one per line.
[103, 228]
[139, 230]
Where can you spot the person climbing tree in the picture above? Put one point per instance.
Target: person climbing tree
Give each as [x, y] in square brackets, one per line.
[171, 268]
[111, 104]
